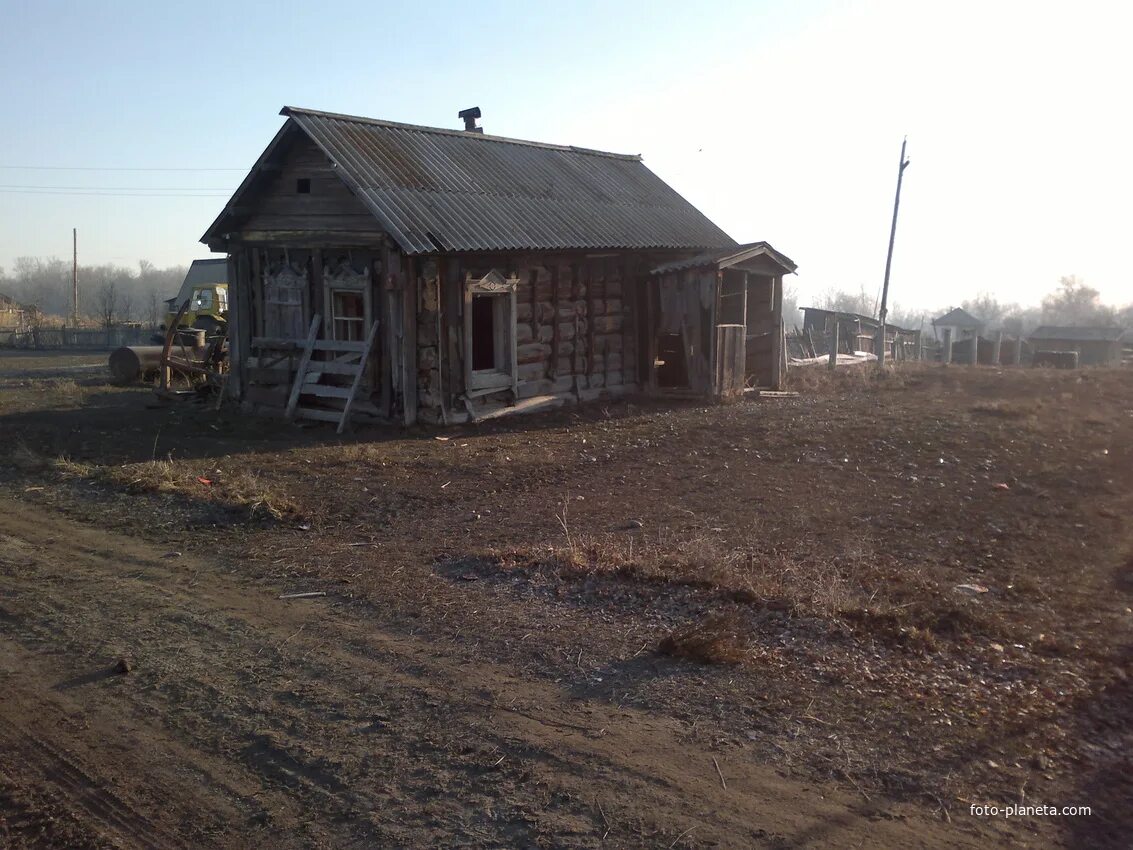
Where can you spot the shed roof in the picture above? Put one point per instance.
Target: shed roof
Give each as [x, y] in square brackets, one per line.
[733, 255]
[1092, 333]
[871, 321]
[438, 190]
[958, 317]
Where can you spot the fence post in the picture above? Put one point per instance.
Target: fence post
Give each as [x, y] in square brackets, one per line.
[834, 344]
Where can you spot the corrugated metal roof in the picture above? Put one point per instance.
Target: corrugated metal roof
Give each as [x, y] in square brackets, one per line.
[960, 318]
[435, 190]
[729, 256]
[1078, 334]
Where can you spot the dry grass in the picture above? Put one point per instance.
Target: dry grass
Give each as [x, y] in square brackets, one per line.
[237, 490]
[65, 390]
[865, 593]
[819, 380]
[719, 639]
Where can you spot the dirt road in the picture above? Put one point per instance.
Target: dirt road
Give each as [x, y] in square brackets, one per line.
[247, 720]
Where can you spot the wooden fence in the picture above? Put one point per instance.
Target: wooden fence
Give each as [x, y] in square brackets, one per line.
[76, 338]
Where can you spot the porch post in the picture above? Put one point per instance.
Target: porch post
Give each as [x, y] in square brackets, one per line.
[777, 336]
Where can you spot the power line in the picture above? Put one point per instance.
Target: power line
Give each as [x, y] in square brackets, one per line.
[122, 188]
[107, 168]
[115, 194]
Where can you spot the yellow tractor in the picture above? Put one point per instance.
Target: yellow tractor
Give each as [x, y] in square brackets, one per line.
[208, 309]
[206, 290]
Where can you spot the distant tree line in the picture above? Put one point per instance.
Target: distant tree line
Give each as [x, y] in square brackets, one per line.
[108, 294]
[1072, 303]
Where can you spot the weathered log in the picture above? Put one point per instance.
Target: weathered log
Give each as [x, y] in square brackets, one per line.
[133, 362]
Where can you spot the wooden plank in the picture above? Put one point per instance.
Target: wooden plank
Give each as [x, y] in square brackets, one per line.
[277, 344]
[335, 367]
[778, 350]
[317, 413]
[255, 295]
[301, 372]
[275, 377]
[326, 391]
[409, 345]
[357, 379]
[489, 378]
[452, 325]
[385, 359]
[710, 345]
[556, 334]
[312, 238]
[513, 348]
[237, 339]
[352, 346]
[591, 279]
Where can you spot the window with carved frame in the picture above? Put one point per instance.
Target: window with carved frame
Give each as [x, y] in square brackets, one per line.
[489, 333]
[348, 309]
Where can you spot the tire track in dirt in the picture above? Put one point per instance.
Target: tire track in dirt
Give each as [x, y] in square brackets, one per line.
[310, 726]
[83, 787]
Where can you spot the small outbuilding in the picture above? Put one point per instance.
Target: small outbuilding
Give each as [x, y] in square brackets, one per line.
[1095, 346]
[409, 272]
[857, 334]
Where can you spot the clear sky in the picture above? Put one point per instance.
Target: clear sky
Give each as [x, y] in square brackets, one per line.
[781, 121]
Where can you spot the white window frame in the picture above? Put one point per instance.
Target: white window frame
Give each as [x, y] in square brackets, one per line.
[345, 279]
[503, 375]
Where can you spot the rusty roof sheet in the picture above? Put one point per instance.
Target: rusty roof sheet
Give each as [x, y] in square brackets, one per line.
[436, 190]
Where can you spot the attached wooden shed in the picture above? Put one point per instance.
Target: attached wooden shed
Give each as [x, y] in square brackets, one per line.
[715, 321]
[404, 272]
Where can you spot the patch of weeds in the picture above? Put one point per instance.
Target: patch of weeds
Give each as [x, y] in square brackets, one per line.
[238, 490]
[718, 639]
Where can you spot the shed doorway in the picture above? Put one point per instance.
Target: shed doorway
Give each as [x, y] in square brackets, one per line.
[671, 363]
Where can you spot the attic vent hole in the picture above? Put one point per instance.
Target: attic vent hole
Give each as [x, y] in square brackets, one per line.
[303, 185]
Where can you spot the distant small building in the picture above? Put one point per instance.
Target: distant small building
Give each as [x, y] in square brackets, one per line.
[956, 325]
[13, 317]
[1095, 346]
[857, 333]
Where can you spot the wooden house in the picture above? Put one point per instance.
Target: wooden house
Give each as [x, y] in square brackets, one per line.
[409, 272]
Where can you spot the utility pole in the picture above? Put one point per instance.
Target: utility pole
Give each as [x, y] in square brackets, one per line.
[75, 276]
[903, 164]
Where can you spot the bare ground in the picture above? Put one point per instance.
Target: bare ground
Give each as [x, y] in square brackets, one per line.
[489, 668]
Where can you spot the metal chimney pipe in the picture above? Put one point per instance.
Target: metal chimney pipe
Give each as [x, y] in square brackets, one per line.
[470, 116]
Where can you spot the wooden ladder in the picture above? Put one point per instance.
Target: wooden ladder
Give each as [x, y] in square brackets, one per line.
[351, 361]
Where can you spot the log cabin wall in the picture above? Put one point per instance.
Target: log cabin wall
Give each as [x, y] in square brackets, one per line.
[574, 327]
[277, 291]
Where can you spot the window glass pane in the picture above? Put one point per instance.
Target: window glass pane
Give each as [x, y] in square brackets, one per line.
[348, 310]
[483, 332]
